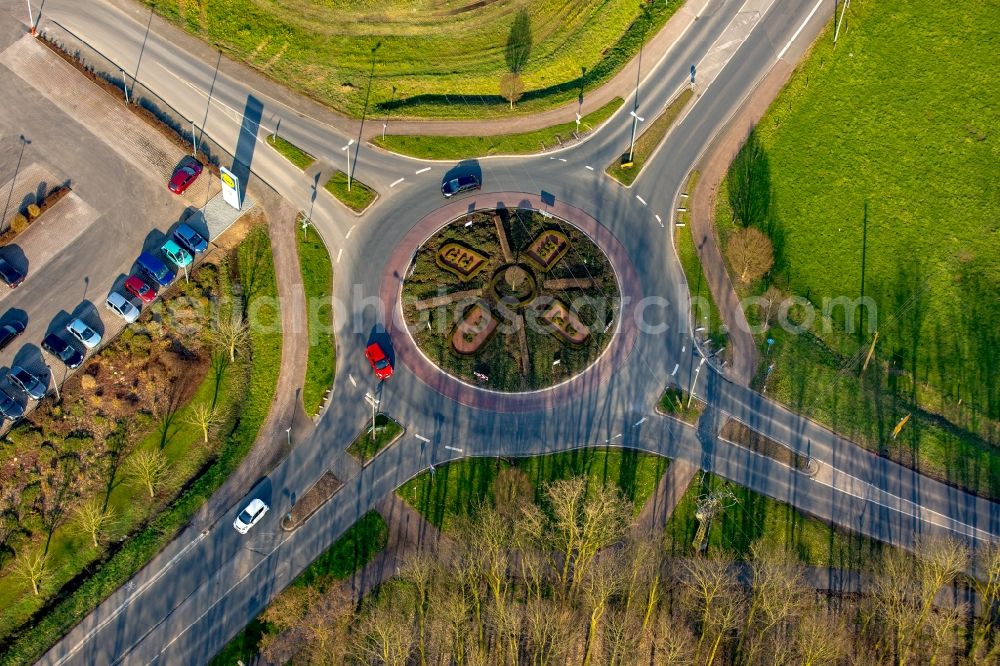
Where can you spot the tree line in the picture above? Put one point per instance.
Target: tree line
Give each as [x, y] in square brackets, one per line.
[567, 581]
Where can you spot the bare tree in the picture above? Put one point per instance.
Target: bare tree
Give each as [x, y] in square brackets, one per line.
[420, 569]
[713, 596]
[204, 417]
[92, 518]
[511, 87]
[548, 628]
[770, 303]
[672, 643]
[29, 566]
[231, 334]
[147, 468]
[985, 644]
[600, 582]
[751, 254]
[820, 637]
[287, 612]
[383, 635]
[777, 595]
[58, 489]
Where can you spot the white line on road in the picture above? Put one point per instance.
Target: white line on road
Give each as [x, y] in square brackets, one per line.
[562, 159]
[808, 18]
[370, 399]
[117, 611]
[339, 252]
[639, 422]
[452, 448]
[396, 182]
[641, 200]
[419, 171]
[354, 382]
[350, 231]
[676, 366]
[421, 438]
[659, 220]
[589, 168]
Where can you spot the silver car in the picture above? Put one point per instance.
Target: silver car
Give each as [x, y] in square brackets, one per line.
[27, 382]
[122, 307]
[85, 334]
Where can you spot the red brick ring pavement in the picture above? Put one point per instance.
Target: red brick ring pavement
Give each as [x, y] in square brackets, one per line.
[407, 353]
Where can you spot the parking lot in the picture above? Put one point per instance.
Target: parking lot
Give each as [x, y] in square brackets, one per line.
[57, 127]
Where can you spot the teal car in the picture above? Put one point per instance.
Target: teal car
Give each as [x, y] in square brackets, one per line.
[176, 254]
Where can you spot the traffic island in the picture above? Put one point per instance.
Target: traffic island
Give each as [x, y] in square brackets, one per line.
[356, 195]
[368, 444]
[739, 433]
[628, 167]
[511, 299]
[310, 502]
[678, 403]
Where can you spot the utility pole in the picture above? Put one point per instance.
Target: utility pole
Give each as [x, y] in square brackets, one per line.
[387, 108]
[707, 507]
[843, 11]
[31, 20]
[693, 382]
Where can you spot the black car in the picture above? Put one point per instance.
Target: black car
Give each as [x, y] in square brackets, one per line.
[9, 274]
[9, 408]
[458, 185]
[10, 331]
[63, 349]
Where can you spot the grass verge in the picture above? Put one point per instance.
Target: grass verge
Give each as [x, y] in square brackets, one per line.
[466, 147]
[647, 142]
[455, 489]
[676, 402]
[260, 375]
[317, 279]
[358, 545]
[291, 152]
[749, 516]
[358, 198]
[364, 447]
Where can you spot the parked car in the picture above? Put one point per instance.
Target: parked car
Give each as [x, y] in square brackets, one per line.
[138, 288]
[27, 382]
[190, 239]
[177, 255]
[63, 349]
[380, 362]
[157, 271]
[85, 334]
[10, 331]
[123, 307]
[250, 516]
[10, 409]
[184, 175]
[10, 275]
[458, 185]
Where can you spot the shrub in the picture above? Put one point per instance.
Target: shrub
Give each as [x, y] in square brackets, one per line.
[34, 211]
[19, 223]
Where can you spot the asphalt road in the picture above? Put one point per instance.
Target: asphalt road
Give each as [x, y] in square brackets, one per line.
[206, 586]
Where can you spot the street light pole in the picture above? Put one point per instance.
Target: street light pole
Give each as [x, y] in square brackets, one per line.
[288, 432]
[345, 149]
[635, 123]
[31, 20]
[693, 382]
[387, 108]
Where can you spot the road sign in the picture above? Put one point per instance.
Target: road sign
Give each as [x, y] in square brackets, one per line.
[230, 188]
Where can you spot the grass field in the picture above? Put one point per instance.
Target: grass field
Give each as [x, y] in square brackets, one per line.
[317, 279]
[291, 152]
[364, 447]
[647, 142]
[357, 198]
[881, 154]
[431, 58]
[454, 489]
[749, 516]
[464, 147]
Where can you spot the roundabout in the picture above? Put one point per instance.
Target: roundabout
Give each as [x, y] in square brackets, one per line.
[512, 307]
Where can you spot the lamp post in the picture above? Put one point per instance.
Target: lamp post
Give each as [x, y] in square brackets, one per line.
[387, 108]
[31, 20]
[635, 123]
[345, 149]
[288, 432]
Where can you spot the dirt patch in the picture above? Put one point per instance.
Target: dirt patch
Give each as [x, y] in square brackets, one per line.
[740, 433]
[312, 500]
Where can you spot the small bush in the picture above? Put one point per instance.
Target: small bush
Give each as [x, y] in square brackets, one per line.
[34, 211]
[19, 223]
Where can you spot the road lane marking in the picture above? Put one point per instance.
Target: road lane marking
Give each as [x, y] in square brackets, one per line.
[639, 422]
[396, 182]
[421, 438]
[339, 252]
[420, 171]
[674, 372]
[452, 448]
[641, 200]
[562, 159]
[370, 399]
[795, 36]
[350, 231]
[659, 220]
[354, 382]
[589, 168]
[117, 611]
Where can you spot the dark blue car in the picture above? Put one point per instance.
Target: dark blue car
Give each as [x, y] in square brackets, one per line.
[155, 269]
[190, 239]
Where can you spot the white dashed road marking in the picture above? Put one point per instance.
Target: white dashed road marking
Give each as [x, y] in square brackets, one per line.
[674, 372]
[641, 200]
[452, 448]
[422, 438]
[350, 231]
[339, 252]
[562, 159]
[419, 171]
[354, 382]
[639, 422]
[589, 168]
[396, 182]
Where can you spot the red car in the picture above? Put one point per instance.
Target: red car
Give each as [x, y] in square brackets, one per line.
[380, 362]
[140, 289]
[184, 175]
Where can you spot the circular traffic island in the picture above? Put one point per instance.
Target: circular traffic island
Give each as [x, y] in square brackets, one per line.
[511, 300]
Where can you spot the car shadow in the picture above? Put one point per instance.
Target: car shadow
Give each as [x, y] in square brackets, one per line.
[14, 315]
[30, 358]
[194, 218]
[380, 335]
[90, 315]
[153, 242]
[15, 256]
[464, 168]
